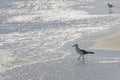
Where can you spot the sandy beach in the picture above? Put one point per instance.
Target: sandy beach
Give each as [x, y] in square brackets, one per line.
[111, 42]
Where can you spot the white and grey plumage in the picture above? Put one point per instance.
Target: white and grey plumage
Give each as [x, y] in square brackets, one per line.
[81, 52]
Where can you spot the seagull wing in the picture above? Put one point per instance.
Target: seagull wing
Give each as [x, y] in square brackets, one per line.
[84, 51]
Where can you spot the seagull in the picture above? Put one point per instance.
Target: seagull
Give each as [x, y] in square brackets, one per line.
[110, 5]
[81, 52]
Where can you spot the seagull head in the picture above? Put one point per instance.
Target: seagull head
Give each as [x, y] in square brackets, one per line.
[75, 45]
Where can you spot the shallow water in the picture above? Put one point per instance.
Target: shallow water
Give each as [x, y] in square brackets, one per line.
[94, 68]
[36, 31]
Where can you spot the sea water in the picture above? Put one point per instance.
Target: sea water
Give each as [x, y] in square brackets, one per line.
[35, 31]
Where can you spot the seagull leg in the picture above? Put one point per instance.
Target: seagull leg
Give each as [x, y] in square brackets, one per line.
[79, 57]
[110, 10]
[83, 57]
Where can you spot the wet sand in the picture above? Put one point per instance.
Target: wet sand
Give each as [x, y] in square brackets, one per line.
[111, 42]
[104, 65]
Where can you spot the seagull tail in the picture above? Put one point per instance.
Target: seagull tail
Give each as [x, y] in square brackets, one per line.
[90, 52]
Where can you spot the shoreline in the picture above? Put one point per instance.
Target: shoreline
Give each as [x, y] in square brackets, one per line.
[111, 42]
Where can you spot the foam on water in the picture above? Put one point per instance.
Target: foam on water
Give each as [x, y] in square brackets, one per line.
[103, 60]
[5, 59]
[42, 45]
[42, 10]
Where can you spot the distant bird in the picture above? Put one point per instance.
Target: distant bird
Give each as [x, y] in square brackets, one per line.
[110, 5]
[81, 52]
